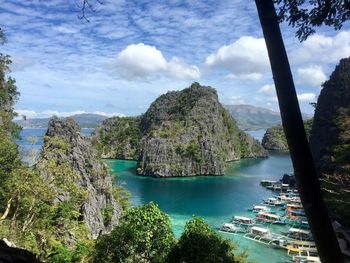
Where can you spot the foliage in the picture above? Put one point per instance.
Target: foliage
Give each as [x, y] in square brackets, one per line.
[200, 244]
[305, 15]
[107, 214]
[120, 135]
[143, 235]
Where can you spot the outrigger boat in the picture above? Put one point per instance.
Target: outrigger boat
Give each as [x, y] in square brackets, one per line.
[266, 183]
[232, 228]
[273, 202]
[306, 259]
[259, 208]
[264, 235]
[243, 221]
[270, 218]
[306, 247]
[299, 234]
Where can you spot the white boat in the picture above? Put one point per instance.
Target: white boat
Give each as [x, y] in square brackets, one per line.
[273, 202]
[259, 208]
[306, 259]
[270, 218]
[243, 221]
[301, 247]
[300, 234]
[232, 228]
[267, 182]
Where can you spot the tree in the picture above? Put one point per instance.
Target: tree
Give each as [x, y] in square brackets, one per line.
[303, 164]
[200, 244]
[305, 15]
[143, 235]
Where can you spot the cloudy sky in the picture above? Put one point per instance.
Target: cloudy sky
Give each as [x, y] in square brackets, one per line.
[131, 51]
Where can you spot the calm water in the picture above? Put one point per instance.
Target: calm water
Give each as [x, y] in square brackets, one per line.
[215, 198]
[32, 139]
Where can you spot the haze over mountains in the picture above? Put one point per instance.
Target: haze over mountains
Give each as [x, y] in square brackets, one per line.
[248, 117]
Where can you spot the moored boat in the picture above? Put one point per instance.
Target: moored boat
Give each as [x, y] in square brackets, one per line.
[270, 218]
[300, 234]
[273, 202]
[232, 228]
[259, 208]
[243, 221]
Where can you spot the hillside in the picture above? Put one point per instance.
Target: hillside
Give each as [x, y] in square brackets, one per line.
[85, 120]
[252, 118]
[330, 140]
[274, 138]
[183, 133]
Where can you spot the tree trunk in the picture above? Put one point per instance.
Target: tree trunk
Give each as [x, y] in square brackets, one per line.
[7, 210]
[303, 164]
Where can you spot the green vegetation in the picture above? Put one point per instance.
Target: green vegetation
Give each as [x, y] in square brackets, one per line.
[274, 138]
[145, 235]
[119, 138]
[200, 244]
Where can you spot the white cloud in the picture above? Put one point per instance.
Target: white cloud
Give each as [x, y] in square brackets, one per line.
[181, 70]
[245, 57]
[306, 97]
[311, 76]
[30, 114]
[249, 76]
[143, 61]
[320, 48]
[267, 89]
[27, 113]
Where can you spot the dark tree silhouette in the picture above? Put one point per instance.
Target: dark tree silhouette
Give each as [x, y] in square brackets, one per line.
[303, 164]
[86, 6]
[305, 15]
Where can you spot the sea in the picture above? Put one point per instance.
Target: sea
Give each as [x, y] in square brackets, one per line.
[215, 198]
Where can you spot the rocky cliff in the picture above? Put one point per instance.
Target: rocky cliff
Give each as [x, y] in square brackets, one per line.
[118, 137]
[275, 139]
[79, 178]
[184, 133]
[330, 139]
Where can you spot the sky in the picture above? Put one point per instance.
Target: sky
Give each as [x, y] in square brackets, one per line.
[130, 52]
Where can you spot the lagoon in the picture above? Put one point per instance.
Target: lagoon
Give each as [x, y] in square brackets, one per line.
[215, 198]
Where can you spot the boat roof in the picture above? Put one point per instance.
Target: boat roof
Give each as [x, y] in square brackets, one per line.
[260, 207]
[268, 215]
[230, 225]
[260, 229]
[298, 230]
[242, 218]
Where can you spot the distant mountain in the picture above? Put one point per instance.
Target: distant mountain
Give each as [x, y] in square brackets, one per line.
[85, 120]
[249, 117]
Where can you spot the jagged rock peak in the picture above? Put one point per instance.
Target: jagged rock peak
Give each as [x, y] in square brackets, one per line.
[188, 132]
[66, 149]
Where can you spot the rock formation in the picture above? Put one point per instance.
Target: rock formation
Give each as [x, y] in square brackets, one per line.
[185, 133]
[275, 139]
[118, 137]
[72, 165]
[330, 140]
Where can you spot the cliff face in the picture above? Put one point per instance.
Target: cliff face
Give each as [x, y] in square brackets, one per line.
[183, 133]
[330, 140]
[188, 132]
[117, 137]
[274, 138]
[71, 164]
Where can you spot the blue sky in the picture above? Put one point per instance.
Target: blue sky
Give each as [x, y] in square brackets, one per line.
[133, 51]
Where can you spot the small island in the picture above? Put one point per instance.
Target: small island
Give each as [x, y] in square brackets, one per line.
[183, 133]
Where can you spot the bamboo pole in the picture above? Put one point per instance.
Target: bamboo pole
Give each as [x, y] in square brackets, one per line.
[303, 164]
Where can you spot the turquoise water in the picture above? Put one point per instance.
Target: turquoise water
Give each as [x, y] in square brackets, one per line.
[215, 198]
